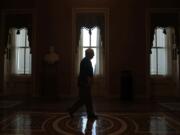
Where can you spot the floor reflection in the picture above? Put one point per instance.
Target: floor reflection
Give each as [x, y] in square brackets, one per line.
[158, 125]
[21, 123]
[42, 123]
[88, 126]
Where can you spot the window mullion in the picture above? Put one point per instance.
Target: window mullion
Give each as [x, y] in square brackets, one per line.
[156, 53]
[25, 53]
[90, 37]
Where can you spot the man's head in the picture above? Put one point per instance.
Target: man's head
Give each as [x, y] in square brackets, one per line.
[89, 53]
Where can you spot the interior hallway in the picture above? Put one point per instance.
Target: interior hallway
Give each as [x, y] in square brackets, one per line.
[47, 117]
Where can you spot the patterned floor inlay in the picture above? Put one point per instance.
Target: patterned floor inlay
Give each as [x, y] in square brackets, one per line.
[4, 104]
[42, 123]
[174, 106]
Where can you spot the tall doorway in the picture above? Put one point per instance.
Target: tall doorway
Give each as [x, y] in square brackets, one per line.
[90, 27]
[163, 48]
[16, 66]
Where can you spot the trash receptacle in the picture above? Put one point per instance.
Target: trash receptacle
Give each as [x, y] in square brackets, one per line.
[126, 85]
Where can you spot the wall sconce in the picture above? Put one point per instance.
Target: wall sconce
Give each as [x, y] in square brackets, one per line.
[164, 31]
[18, 31]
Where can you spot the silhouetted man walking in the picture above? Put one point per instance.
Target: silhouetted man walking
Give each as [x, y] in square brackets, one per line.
[85, 79]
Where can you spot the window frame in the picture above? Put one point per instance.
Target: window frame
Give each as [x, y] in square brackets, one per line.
[25, 48]
[97, 47]
[167, 49]
[156, 48]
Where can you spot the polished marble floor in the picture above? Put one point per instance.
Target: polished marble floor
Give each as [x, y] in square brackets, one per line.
[115, 118]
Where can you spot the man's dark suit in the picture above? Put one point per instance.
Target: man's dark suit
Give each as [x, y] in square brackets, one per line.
[85, 98]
